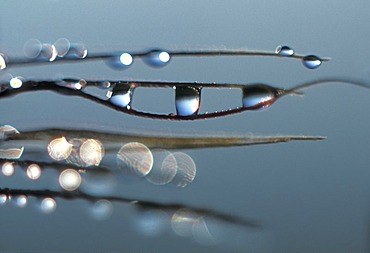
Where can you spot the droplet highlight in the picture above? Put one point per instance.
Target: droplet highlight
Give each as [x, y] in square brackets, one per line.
[187, 100]
[48, 205]
[311, 61]
[121, 61]
[7, 169]
[284, 51]
[2, 62]
[258, 97]
[157, 58]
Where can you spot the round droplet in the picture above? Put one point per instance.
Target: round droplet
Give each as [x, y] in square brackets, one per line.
[182, 222]
[121, 95]
[258, 97]
[164, 167]
[48, 205]
[91, 152]
[121, 61]
[102, 209]
[33, 171]
[311, 61]
[3, 199]
[187, 100]
[76, 51]
[136, 158]
[70, 180]
[16, 82]
[284, 51]
[2, 62]
[62, 46]
[8, 169]
[186, 169]
[157, 58]
[59, 149]
[21, 200]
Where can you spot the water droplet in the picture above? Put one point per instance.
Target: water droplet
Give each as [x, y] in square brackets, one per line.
[70, 179]
[121, 95]
[284, 51]
[59, 149]
[21, 200]
[76, 51]
[121, 61]
[48, 205]
[187, 100]
[33, 171]
[16, 82]
[8, 169]
[105, 85]
[258, 97]
[2, 62]
[157, 58]
[48, 53]
[73, 83]
[164, 167]
[135, 158]
[3, 199]
[311, 61]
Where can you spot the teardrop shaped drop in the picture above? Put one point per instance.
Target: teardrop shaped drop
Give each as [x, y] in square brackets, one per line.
[121, 95]
[311, 61]
[120, 61]
[157, 58]
[258, 97]
[187, 100]
[284, 51]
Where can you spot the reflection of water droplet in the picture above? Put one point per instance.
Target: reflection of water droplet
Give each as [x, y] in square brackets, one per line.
[121, 95]
[16, 82]
[3, 199]
[70, 179]
[91, 152]
[62, 46]
[59, 149]
[284, 51]
[182, 222]
[33, 171]
[187, 100]
[21, 200]
[311, 61]
[8, 169]
[102, 209]
[164, 167]
[186, 169]
[48, 205]
[2, 62]
[157, 58]
[258, 97]
[135, 157]
[121, 61]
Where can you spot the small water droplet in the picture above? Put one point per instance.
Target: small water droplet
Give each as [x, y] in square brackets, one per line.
[8, 169]
[258, 97]
[104, 85]
[48, 205]
[2, 62]
[187, 100]
[121, 61]
[33, 171]
[284, 50]
[16, 82]
[121, 95]
[311, 61]
[157, 58]
[21, 201]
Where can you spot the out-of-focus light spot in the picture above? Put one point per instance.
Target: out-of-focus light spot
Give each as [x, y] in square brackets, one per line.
[7, 130]
[21, 201]
[59, 149]
[2, 62]
[16, 82]
[152, 222]
[186, 169]
[102, 209]
[8, 169]
[91, 152]
[3, 199]
[11, 153]
[182, 222]
[164, 57]
[33, 171]
[164, 167]
[135, 157]
[70, 180]
[54, 53]
[62, 46]
[32, 48]
[48, 205]
[201, 232]
[126, 59]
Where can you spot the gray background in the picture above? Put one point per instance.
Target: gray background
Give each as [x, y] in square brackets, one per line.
[309, 196]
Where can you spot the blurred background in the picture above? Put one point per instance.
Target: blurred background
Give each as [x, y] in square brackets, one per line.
[307, 196]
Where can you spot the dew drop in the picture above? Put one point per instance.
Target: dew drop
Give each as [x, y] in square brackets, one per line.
[8, 169]
[187, 100]
[76, 51]
[121, 95]
[16, 82]
[258, 97]
[157, 58]
[33, 171]
[21, 201]
[2, 62]
[284, 51]
[62, 46]
[121, 61]
[48, 205]
[70, 180]
[311, 61]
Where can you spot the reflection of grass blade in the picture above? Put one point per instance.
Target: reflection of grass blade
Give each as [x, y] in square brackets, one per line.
[141, 204]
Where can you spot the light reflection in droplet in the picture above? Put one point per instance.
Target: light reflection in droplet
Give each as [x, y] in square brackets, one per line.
[164, 167]
[59, 149]
[102, 209]
[21, 200]
[257, 97]
[2, 62]
[311, 61]
[48, 205]
[91, 152]
[33, 171]
[70, 179]
[187, 100]
[121, 95]
[3, 199]
[8, 169]
[16, 82]
[157, 58]
[284, 51]
[186, 169]
[135, 157]
[121, 61]
[182, 222]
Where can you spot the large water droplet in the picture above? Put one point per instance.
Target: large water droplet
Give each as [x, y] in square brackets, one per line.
[311, 61]
[121, 61]
[258, 97]
[284, 51]
[187, 100]
[121, 95]
[157, 58]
